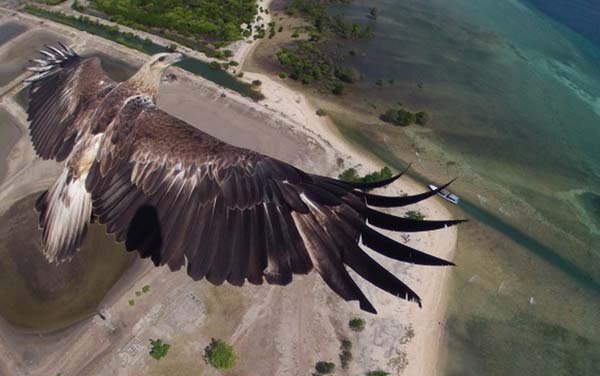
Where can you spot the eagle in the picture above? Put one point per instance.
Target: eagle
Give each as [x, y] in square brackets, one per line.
[182, 197]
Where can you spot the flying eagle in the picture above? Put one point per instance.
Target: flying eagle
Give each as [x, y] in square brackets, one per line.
[182, 197]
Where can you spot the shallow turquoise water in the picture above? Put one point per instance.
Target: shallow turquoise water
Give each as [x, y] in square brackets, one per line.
[515, 102]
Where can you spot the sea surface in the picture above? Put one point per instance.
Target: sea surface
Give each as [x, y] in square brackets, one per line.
[513, 90]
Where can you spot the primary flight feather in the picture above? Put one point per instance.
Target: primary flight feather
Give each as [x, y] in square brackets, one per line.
[182, 197]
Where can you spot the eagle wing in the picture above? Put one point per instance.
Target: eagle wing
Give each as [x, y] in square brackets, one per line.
[63, 92]
[176, 194]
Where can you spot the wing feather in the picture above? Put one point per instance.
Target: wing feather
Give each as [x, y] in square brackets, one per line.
[178, 195]
[61, 98]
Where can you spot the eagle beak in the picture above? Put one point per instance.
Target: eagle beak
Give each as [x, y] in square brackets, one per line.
[175, 58]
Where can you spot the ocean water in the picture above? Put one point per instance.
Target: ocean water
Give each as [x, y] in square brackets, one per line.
[513, 89]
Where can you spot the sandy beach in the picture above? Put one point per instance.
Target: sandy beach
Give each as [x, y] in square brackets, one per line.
[276, 331]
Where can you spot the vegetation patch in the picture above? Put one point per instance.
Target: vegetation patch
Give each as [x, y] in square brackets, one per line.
[378, 373]
[356, 324]
[309, 63]
[351, 175]
[220, 355]
[324, 368]
[211, 20]
[316, 12]
[158, 349]
[404, 118]
[415, 214]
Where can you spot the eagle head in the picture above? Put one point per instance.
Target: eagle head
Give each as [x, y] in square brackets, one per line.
[148, 77]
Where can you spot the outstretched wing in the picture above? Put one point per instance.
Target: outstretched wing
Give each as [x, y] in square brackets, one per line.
[64, 91]
[176, 194]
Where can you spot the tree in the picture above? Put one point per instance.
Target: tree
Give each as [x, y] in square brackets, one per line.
[357, 324]
[256, 83]
[324, 368]
[220, 355]
[158, 349]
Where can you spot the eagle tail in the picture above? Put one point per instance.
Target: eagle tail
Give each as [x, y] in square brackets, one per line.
[65, 211]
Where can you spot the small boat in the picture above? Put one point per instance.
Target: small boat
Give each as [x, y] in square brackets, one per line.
[445, 194]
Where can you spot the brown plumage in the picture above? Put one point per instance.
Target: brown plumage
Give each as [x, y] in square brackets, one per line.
[182, 197]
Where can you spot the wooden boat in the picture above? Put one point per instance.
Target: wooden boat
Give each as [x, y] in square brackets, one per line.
[446, 195]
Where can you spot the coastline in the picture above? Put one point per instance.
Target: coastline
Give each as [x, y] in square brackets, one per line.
[424, 350]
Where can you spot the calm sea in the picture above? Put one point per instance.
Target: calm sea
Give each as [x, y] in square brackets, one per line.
[513, 89]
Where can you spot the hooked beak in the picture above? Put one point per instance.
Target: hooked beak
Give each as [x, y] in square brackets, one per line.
[175, 57]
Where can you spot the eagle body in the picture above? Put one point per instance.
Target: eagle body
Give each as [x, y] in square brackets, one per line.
[181, 197]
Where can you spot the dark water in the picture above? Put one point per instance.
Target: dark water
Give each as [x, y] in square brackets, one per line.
[514, 97]
[10, 30]
[582, 16]
[9, 134]
[16, 58]
[36, 295]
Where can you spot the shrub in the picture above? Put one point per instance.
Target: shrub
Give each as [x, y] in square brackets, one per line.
[421, 118]
[378, 373]
[351, 175]
[172, 47]
[131, 302]
[214, 65]
[415, 214]
[338, 89]
[146, 289]
[158, 349]
[220, 355]
[77, 6]
[345, 358]
[346, 344]
[256, 83]
[233, 63]
[321, 112]
[282, 75]
[398, 117]
[357, 324]
[324, 368]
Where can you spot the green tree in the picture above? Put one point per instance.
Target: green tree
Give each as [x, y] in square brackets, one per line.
[357, 324]
[220, 355]
[158, 349]
[324, 368]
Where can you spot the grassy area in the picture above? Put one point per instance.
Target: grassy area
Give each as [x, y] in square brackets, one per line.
[146, 46]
